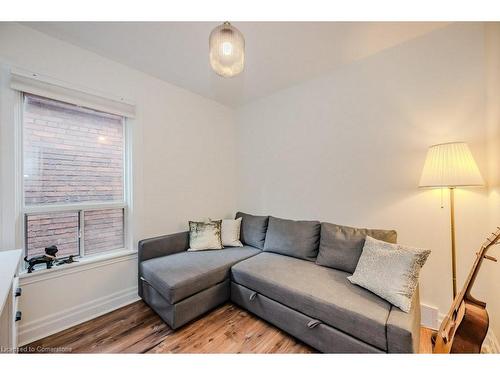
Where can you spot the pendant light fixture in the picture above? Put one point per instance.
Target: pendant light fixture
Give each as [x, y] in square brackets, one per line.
[227, 50]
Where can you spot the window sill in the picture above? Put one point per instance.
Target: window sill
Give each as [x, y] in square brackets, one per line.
[26, 278]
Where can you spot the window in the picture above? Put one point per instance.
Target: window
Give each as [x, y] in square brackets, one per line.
[73, 178]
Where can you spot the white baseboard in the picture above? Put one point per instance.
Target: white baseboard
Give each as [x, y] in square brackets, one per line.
[48, 325]
[429, 317]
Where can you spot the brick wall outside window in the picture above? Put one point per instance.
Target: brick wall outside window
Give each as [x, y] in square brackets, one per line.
[103, 230]
[55, 228]
[72, 155]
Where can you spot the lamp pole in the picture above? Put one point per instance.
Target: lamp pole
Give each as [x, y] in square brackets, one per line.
[453, 251]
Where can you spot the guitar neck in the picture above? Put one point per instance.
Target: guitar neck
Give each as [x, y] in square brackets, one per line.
[473, 274]
[466, 288]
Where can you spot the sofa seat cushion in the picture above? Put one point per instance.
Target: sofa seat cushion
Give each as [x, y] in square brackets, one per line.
[184, 274]
[319, 292]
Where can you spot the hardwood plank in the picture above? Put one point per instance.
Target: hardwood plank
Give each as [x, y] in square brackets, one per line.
[103, 325]
[150, 341]
[138, 329]
[118, 339]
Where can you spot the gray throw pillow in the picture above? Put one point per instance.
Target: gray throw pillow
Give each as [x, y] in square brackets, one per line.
[390, 271]
[298, 239]
[205, 236]
[253, 229]
[340, 246]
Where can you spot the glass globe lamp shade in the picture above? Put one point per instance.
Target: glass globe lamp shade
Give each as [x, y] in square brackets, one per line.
[227, 50]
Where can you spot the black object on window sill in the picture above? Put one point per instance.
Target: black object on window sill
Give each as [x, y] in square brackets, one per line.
[68, 260]
[48, 258]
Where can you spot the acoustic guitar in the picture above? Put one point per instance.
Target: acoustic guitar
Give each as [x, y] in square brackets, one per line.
[464, 328]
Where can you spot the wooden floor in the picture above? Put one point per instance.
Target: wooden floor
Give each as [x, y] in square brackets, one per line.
[137, 329]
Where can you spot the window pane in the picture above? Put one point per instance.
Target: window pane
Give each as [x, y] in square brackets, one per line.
[71, 154]
[103, 230]
[44, 230]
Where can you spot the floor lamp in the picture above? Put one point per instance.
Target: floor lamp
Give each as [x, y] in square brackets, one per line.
[451, 165]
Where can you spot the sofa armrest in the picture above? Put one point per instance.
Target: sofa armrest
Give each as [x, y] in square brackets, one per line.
[157, 247]
[164, 245]
[403, 329]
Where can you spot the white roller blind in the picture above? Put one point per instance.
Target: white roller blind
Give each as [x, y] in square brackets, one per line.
[36, 84]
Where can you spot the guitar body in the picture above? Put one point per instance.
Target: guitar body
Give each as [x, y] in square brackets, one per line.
[466, 332]
[464, 328]
[472, 330]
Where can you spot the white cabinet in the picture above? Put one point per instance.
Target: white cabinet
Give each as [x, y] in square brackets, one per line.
[9, 299]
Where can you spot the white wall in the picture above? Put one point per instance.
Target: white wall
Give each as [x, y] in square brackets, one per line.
[349, 148]
[180, 172]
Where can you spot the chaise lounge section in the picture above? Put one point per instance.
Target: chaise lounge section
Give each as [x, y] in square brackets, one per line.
[276, 276]
[180, 285]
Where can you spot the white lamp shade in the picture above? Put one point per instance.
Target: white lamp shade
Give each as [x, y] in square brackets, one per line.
[450, 165]
[227, 50]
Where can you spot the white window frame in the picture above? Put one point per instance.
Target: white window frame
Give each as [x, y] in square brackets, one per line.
[125, 204]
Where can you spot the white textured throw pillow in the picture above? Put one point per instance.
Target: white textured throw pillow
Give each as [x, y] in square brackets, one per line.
[231, 232]
[390, 270]
[205, 235]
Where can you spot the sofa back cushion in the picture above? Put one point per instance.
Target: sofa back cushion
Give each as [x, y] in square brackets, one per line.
[298, 239]
[340, 246]
[253, 229]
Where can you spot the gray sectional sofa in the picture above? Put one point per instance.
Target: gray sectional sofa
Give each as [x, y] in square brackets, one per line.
[293, 274]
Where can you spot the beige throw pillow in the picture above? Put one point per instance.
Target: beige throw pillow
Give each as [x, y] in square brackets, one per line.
[205, 235]
[231, 232]
[390, 270]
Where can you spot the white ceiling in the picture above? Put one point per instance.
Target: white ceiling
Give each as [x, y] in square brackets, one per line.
[278, 54]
